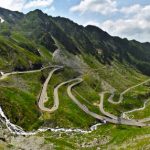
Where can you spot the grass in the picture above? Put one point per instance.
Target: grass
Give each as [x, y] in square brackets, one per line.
[117, 75]
[20, 107]
[23, 57]
[142, 113]
[87, 96]
[19, 95]
[133, 99]
[106, 137]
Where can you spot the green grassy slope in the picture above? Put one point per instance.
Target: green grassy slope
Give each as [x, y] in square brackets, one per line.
[14, 57]
[19, 95]
[105, 137]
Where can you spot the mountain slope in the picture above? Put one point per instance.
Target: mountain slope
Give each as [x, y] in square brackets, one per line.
[57, 32]
[10, 16]
[105, 63]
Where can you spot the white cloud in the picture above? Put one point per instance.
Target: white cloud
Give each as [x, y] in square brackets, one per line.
[134, 22]
[12, 4]
[135, 26]
[49, 10]
[20, 5]
[38, 3]
[101, 6]
[131, 9]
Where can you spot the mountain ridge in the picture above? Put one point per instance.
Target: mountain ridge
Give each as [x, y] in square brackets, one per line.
[90, 25]
[58, 32]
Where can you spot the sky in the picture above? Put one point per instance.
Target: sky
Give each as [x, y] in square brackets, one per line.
[125, 18]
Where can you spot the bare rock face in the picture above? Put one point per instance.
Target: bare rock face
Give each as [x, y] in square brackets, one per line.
[31, 143]
[11, 142]
[69, 60]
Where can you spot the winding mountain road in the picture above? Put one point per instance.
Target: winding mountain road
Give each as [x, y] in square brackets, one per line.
[101, 107]
[137, 109]
[96, 116]
[43, 97]
[110, 99]
[124, 113]
[5, 75]
[17, 130]
[144, 120]
[56, 96]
